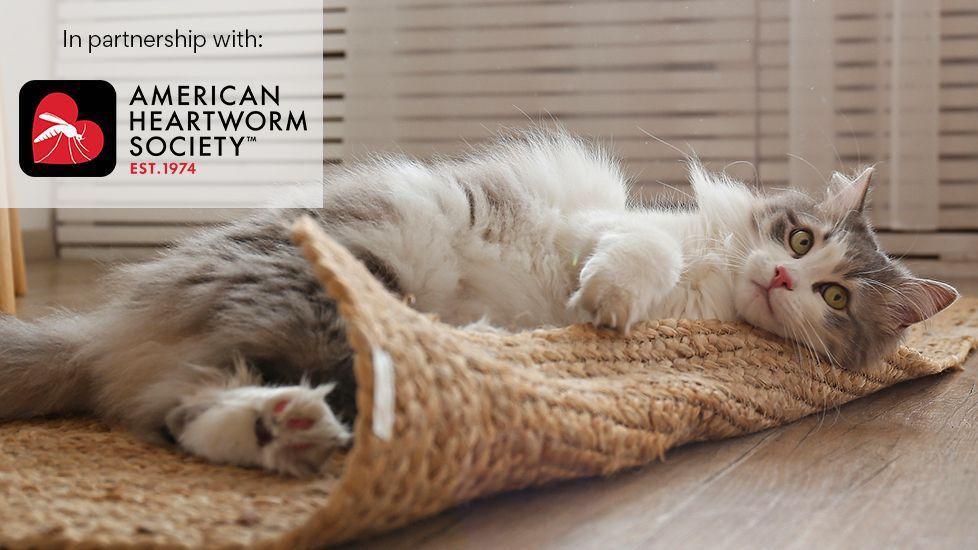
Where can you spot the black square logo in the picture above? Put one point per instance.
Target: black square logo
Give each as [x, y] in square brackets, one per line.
[67, 128]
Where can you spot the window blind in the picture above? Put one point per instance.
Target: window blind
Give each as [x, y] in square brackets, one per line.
[713, 77]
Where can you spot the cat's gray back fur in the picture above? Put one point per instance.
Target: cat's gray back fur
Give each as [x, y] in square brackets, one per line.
[240, 290]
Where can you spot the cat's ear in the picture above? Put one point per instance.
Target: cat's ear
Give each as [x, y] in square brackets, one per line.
[921, 299]
[849, 194]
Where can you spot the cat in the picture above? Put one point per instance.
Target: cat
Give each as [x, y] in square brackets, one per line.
[227, 346]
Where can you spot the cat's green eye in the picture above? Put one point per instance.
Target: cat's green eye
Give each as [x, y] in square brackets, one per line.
[836, 296]
[801, 241]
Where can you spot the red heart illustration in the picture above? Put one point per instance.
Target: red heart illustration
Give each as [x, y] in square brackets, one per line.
[59, 137]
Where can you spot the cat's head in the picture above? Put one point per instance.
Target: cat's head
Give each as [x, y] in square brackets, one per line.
[815, 273]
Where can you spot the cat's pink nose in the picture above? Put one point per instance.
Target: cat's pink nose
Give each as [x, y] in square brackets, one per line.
[781, 278]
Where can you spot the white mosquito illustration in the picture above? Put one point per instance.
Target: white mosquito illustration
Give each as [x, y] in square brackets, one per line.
[62, 129]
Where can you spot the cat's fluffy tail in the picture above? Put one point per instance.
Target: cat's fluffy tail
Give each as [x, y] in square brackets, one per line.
[41, 368]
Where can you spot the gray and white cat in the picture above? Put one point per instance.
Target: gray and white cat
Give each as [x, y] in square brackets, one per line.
[227, 345]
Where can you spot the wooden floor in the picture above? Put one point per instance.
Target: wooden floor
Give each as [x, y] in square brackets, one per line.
[896, 469]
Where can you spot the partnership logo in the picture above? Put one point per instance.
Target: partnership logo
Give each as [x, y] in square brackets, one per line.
[67, 128]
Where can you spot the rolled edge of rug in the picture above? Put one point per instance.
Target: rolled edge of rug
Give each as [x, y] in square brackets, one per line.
[349, 284]
[374, 493]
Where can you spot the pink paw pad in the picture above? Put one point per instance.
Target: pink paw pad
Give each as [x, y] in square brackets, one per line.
[300, 423]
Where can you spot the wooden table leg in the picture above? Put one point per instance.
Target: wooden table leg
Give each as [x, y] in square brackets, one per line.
[8, 225]
[7, 303]
[17, 249]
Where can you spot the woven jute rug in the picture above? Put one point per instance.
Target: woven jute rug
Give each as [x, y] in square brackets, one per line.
[445, 416]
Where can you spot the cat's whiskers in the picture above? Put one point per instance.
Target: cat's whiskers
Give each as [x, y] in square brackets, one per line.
[813, 357]
[732, 259]
[866, 273]
[757, 174]
[825, 348]
[903, 295]
[870, 286]
[804, 340]
[835, 149]
[688, 156]
[676, 189]
[790, 190]
[802, 345]
[905, 298]
[812, 166]
[722, 245]
[809, 347]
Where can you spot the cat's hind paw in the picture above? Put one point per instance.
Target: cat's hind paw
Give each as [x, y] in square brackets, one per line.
[297, 432]
[288, 430]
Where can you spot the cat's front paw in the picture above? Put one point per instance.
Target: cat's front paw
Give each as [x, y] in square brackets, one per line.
[297, 432]
[627, 274]
[607, 304]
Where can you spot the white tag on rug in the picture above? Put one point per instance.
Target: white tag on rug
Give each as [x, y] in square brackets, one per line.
[383, 421]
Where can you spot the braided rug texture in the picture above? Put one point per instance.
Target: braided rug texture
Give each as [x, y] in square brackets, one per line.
[445, 416]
